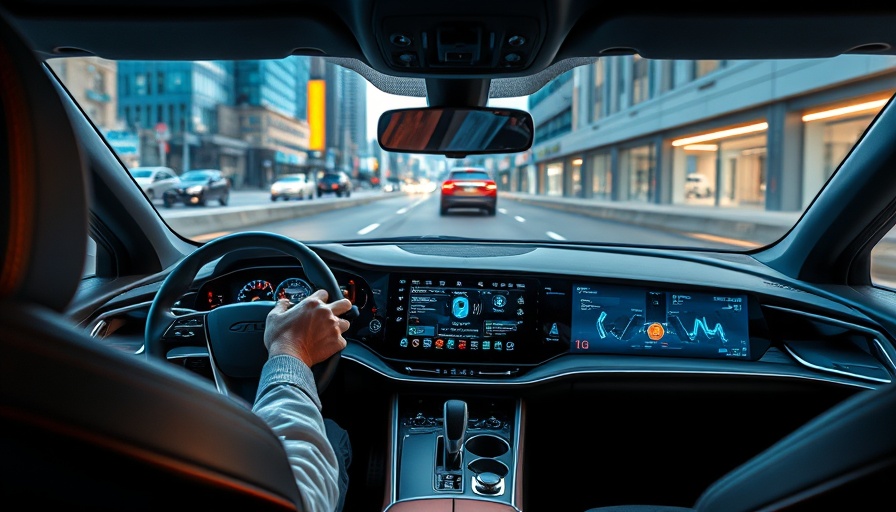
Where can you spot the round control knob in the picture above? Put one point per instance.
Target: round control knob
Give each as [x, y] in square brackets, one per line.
[487, 482]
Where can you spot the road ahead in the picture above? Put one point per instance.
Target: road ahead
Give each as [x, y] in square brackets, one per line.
[418, 215]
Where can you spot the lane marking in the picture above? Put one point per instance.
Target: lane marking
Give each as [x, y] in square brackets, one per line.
[407, 208]
[519, 219]
[725, 240]
[502, 210]
[555, 236]
[368, 229]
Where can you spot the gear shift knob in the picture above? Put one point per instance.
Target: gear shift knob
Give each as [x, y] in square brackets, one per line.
[455, 424]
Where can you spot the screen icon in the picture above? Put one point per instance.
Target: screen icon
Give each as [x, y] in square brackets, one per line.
[460, 307]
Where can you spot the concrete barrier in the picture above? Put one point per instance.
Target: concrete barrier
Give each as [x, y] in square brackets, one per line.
[197, 222]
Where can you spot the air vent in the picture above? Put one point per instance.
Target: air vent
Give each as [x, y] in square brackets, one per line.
[830, 345]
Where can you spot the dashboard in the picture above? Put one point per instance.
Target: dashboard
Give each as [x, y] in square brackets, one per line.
[482, 324]
[524, 315]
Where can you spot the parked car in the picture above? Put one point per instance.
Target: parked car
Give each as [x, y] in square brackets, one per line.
[697, 185]
[155, 180]
[334, 182]
[292, 186]
[198, 187]
[598, 347]
[469, 187]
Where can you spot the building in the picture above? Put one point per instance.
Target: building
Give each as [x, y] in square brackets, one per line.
[92, 81]
[628, 129]
[346, 107]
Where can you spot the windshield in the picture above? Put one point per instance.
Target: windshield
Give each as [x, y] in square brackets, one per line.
[141, 173]
[705, 154]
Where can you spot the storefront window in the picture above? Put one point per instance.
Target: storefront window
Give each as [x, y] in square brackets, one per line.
[827, 139]
[638, 166]
[601, 177]
[553, 184]
[575, 169]
[742, 171]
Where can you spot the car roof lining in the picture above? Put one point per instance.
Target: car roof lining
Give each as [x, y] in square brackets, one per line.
[576, 33]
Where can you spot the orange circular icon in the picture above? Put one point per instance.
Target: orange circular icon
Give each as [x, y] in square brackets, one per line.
[655, 331]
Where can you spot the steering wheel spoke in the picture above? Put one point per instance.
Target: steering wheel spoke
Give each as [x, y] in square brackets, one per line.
[189, 328]
[233, 334]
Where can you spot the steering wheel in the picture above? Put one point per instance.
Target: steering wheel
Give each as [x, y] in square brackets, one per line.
[233, 333]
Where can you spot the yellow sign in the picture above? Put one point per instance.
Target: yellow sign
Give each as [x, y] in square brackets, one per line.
[317, 115]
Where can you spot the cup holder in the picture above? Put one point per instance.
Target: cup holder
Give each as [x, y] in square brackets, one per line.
[488, 466]
[487, 446]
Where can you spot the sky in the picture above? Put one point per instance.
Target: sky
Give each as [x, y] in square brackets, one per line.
[379, 101]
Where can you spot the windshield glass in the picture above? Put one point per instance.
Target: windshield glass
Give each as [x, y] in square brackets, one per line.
[141, 173]
[705, 154]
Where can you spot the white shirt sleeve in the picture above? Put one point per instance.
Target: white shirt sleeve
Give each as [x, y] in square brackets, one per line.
[287, 401]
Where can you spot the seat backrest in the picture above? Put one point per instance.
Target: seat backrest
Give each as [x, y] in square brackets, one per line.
[843, 459]
[87, 427]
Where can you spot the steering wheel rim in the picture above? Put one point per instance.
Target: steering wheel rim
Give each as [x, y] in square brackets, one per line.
[235, 373]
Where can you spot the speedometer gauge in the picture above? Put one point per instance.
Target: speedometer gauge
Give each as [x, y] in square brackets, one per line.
[294, 289]
[256, 290]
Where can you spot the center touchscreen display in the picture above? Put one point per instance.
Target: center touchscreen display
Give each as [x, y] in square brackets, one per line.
[462, 318]
[628, 320]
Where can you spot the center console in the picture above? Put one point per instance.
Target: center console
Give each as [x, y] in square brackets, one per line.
[459, 448]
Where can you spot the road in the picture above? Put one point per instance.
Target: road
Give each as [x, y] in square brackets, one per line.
[418, 215]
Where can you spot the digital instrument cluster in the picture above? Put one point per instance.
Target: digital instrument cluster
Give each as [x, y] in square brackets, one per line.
[273, 283]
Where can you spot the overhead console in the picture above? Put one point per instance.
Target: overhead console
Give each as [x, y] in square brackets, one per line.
[458, 46]
[486, 325]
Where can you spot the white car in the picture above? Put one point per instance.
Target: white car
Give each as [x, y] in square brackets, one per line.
[697, 185]
[155, 180]
[292, 186]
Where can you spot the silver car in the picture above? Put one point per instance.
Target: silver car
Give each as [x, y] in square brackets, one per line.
[292, 186]
[155, 180]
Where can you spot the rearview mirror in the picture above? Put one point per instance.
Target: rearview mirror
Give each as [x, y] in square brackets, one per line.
[455, 131]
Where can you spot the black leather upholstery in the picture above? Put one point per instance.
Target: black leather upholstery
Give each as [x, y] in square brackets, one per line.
[87, 427]
[844, 459]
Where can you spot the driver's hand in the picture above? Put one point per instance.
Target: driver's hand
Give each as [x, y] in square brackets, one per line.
[311, 330]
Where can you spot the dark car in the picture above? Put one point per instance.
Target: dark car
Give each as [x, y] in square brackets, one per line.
[469, 187]
[336, 182]
[198, 187]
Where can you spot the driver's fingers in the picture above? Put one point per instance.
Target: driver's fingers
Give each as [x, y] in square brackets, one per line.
[280, 306]
[320, 295]
[340, 306]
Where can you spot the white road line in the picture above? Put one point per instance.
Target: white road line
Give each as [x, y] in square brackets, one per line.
[406, 209]
[503, 210]
[368, 229]
[519, 219]
[555, 236]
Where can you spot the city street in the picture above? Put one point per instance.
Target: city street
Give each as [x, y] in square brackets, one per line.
[418, 215]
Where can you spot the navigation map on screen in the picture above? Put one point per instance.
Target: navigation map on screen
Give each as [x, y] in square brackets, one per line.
[632, 320]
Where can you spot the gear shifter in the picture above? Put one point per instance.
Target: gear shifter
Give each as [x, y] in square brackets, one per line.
[455, 424]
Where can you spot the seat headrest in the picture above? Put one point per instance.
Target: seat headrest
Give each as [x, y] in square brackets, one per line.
[43, 198]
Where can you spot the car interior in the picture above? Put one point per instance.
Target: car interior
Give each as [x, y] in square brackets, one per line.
[129, 387]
